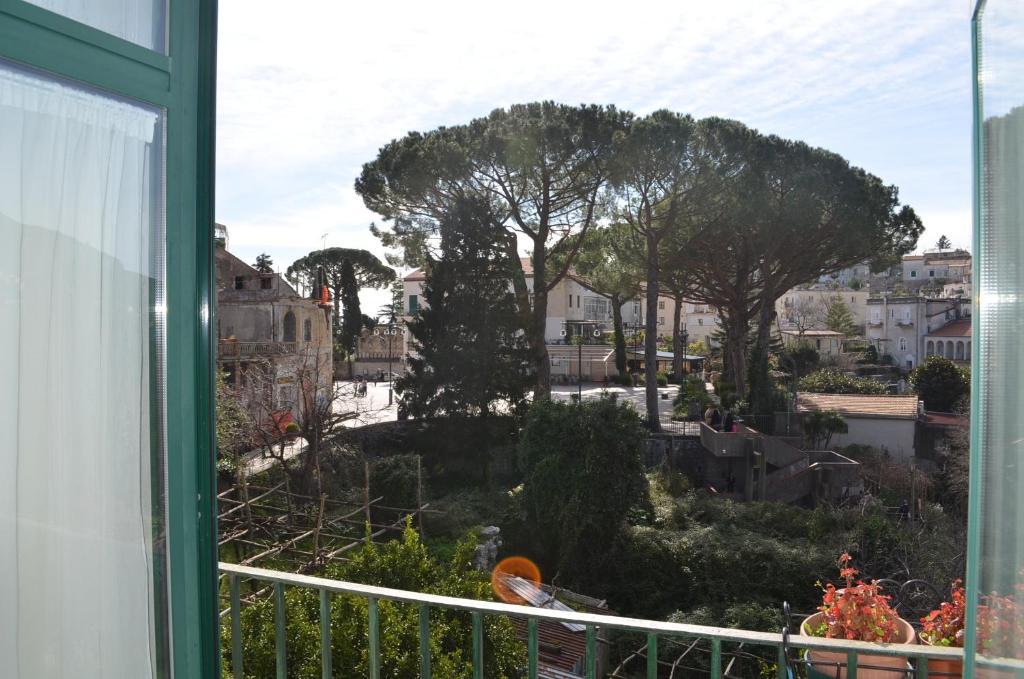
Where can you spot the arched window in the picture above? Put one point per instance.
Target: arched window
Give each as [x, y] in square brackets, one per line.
[289, 327]
[931, 348]
[307, 330]
[949, 350]
[960, 351]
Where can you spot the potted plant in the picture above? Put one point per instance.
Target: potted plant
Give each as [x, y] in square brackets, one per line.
[944, 626]
[858, 612]
[1000, 628]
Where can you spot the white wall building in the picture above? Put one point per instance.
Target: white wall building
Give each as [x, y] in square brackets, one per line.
[886, 423]
[806, 307]
[898, 325]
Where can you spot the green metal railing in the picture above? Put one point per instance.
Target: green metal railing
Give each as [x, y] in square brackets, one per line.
[784, 646]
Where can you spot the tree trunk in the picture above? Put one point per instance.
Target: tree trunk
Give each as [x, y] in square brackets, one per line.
[678, 350]
[759, 378]
[620, 336]
[651, 334]
[542, 363]
[735, 347]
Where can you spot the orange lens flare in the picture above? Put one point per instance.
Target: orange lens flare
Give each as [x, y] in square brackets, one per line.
[518, 566]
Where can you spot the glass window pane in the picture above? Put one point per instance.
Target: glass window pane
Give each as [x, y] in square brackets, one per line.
[1000, 361]
[81, 295]
[140, 21]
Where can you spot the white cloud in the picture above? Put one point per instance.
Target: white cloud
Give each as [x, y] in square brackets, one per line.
[309, 92]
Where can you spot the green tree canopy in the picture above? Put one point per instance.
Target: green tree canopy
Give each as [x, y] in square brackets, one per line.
[838, 316]
[368, 270]
[583, 476]
[943, 243]
[797, 213]
[542, 165]
[940, 384]
[609, 264]
[470, 355]
[264, 263]
[830, 381]
[352, 318]
[820, 426]
[658, 179]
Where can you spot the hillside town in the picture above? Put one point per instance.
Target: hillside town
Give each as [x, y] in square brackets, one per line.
[829, 385]
[526, 341]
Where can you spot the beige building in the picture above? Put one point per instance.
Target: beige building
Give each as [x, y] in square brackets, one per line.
[805, 308]
[952, 341]
[946, 266]
[887, 423]
[576, 309]
[273, 344]
[828, 343]
[898, 326]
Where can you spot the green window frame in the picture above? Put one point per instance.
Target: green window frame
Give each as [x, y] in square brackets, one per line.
[182, 82]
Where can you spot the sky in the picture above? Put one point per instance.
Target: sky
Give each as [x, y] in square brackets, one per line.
[307, 95]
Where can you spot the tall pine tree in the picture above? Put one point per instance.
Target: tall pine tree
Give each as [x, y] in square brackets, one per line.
[352, 316]
[838, 316]
[471, 356]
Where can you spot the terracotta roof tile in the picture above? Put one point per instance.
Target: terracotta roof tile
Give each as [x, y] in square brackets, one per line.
[961, 328]
[860, 405]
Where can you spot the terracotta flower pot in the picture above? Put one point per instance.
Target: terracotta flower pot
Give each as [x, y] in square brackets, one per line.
[940, 668]
[832, 664]
[989, 673]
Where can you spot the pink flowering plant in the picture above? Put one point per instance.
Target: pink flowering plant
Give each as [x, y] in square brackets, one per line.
[858, 611]
[945, 625]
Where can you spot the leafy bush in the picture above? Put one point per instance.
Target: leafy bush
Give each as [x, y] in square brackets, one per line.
[624, 379]
[402, 564]
[662, 379]
[583, 476]
[395, 478]
[940, 384]
[829, 381]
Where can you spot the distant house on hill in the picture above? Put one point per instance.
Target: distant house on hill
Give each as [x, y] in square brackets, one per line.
[828, 343]
[883, 422]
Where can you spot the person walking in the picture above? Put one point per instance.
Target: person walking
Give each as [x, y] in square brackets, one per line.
[728, 423]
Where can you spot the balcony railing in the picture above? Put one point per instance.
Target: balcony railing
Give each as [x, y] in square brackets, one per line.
[784, 644]
[253, 349]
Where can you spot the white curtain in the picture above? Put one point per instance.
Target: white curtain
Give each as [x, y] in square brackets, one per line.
[79, 222]
[138, 21]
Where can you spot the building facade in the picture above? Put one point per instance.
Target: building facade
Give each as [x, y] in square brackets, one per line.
[575, 309]
[805, 308]
[898, 326]
[273, 345]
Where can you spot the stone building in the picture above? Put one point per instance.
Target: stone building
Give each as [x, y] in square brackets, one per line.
[273, 344]
[900, 326]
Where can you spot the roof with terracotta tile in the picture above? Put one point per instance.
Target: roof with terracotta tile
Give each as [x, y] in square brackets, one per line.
[813, 333]
[945, 419]
[860, 405]
[961, 328]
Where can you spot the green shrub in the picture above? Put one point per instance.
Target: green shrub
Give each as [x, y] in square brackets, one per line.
[583, 476]
[829, 381]
[401, 564]
[624, 379]
[662, 379]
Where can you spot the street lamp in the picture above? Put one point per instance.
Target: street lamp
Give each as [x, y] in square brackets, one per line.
[389, 331]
